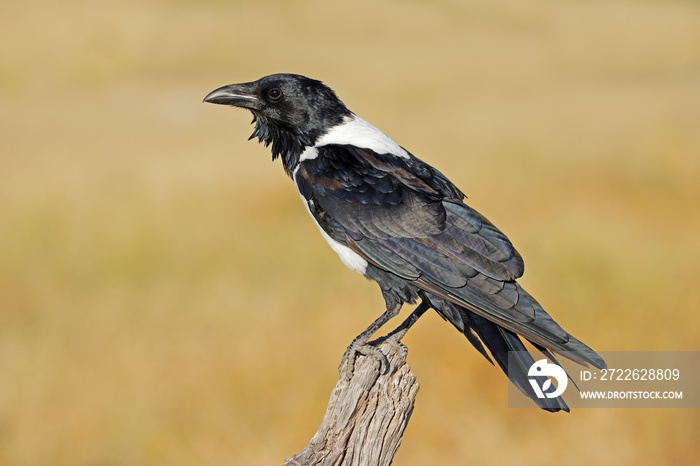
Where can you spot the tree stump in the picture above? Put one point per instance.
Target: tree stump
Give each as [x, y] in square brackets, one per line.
[367, 413]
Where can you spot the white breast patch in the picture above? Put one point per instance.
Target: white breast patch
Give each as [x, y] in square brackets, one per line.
[350, 258]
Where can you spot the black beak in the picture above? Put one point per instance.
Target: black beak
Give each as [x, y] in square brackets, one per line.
[238, 95]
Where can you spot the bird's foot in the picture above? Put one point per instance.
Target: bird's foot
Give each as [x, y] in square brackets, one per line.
[360, 344]
[364, 348]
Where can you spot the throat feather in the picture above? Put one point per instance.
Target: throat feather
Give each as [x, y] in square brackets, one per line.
[283, 142]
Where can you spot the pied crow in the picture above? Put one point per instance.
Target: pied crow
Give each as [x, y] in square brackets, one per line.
[400, 222]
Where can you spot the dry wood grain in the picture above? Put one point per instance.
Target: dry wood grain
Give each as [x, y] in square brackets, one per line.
[368, 411]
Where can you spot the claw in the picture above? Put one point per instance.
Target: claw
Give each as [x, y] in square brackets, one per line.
[360, 345]
[347, 364]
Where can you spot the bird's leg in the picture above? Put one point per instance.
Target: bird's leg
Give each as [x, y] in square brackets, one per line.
[359, 344]
[398, 333]
[393, 338]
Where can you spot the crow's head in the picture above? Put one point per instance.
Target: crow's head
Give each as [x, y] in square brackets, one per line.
[290, 111]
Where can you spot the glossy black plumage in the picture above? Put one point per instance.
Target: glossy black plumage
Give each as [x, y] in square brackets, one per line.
[402, 223]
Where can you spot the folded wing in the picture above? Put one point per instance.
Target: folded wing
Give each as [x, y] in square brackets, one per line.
[406, 218]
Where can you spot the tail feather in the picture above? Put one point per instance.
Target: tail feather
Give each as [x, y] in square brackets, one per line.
[500, 342]
[500, 338]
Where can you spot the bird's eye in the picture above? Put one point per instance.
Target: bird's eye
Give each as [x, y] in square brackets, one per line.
[274, 94]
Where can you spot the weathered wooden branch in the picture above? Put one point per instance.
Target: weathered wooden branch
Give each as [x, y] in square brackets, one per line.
[367, 413]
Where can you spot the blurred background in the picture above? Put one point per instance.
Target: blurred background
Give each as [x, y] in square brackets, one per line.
[165, 299]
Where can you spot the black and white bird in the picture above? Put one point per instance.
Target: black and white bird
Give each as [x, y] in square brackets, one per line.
[400, 222]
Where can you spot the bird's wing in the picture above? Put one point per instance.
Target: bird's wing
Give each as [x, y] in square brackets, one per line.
[405, 217]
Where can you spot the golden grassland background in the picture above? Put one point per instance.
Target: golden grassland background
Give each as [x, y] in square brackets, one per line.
[164, 298]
